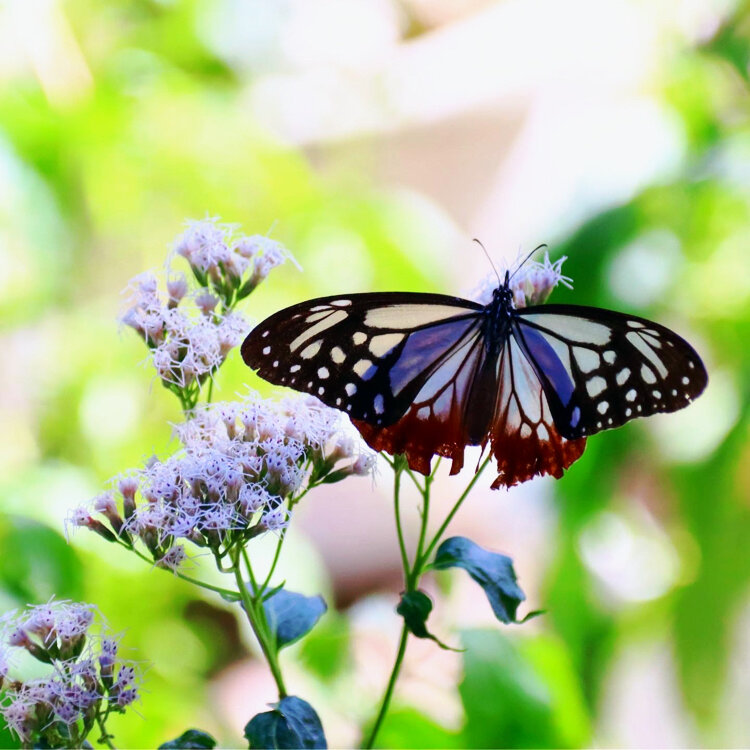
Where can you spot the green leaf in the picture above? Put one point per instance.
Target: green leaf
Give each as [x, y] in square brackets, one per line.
[492, 571]
[326, 652]
[192, 738]
[291, 616]
[292, 723]
[407, 727]
[36, 562]
[524, 694]
[415, 608]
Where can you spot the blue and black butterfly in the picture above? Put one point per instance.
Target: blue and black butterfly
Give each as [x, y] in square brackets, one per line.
[429, 374]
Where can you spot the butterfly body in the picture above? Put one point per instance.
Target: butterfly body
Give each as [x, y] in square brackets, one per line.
[429, 374]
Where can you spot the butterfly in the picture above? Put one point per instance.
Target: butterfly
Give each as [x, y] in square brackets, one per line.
[429, 374]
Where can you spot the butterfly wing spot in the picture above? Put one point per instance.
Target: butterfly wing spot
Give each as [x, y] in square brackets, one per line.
[595, 386]
[635, 324]
[587, 359]
[317, 316]
[359, 338]
[295, 368]
[647, 374]
[341, 302]
[622, 376]
[338, 401]
[350, 389]
[628, 411]
[602, 407]
[266, 350]
[609, 356]
[311, 350]
[631, 394]
[685, 379]
[362, 366]
[379, 404]
[330, 319]
[337, 355]
[656, 393]
[384, 343]
[409, 315]
[323, 373]
[640, 344]
[264, 334]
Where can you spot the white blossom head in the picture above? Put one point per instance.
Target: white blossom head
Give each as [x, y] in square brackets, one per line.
[531, 281]
[83, 675]
[241, 467]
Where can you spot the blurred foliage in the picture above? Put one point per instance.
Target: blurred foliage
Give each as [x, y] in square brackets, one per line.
[98, 178]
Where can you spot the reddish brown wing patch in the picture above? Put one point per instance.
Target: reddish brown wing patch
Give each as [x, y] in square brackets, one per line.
[522, 458]
[418, 439]
[435, 424]
[523, 436]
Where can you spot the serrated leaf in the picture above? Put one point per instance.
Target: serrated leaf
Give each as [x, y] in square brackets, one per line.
[292, 723]
[291, 616]
[492, 571]
[415, 608]
[192, 738]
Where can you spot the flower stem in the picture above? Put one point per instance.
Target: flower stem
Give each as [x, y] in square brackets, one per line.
[397, 512]
[257, 618]
[419, 564]
[106, 737]
[412, 574]
[228, 593]
[389, 689]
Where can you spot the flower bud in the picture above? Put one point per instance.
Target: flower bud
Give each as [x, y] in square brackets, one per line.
[206, 302]
[177, 289]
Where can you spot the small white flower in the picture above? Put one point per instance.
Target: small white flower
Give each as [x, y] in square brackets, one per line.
[531, 283]
[206, 302]
[276, 519]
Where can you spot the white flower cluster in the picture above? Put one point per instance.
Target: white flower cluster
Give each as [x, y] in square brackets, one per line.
[85, 677]
[218, 257]
[187, 344]
[241, 466]
[531, 283]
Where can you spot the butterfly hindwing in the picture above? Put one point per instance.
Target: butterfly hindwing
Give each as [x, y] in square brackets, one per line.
[524, 438]
[601, 368]
[366, 354]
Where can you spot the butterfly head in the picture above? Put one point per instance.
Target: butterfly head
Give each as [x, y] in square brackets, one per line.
[502, 296]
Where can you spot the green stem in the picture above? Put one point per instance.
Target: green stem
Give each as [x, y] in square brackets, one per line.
[210, 394]
[389, 690]
[452, 513]
[103, 729]
[257, 618]
[413, 574]
[195, 581]
[399, 529]
[276, 556]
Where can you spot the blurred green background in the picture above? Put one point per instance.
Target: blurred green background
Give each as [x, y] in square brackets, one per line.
[375, 138]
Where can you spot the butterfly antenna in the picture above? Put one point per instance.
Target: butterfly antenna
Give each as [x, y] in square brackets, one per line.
[484, 249]
[523, 262]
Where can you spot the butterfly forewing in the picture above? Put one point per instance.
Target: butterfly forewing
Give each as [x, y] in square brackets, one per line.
[366, 354]
[601, 368]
